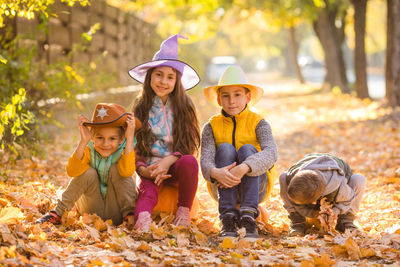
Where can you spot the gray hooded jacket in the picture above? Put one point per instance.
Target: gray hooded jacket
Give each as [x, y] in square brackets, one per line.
[337, 191]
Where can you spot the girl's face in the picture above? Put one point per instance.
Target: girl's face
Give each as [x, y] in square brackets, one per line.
[106, 140]
[163, 81]
[233, 99]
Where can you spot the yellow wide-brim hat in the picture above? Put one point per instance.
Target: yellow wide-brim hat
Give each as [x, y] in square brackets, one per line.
[233, 75]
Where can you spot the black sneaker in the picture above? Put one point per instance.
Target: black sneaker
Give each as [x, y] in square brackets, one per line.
[229, 226]
[297, 230]
[51, 217]
[346, 221]
[250, 225]
[297, 224]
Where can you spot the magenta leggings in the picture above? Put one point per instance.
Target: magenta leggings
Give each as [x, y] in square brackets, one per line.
[184, 175]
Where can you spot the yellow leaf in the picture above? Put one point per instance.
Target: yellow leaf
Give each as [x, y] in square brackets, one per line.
[97, 262]
[144, 247]
[8, 252]
[11, 215]
[391, 180]
[236, 255]
[306, 263]
[367, 252]
[323, 261]
[243, 244]
[227, 243]
[100, 225]
[339, 250]
[201, 238]
[206, 227]
[158, 232]
[352, 249]
[3, 202]
[87, 218]
[37, 233]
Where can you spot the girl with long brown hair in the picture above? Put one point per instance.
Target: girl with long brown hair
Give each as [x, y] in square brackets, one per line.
[170, 135]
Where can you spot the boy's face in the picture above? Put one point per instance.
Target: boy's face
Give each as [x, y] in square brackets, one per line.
[163, 81]
[233, 99]
[106, 140]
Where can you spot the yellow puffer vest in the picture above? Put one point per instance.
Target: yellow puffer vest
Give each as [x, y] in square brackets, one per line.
[238, 131]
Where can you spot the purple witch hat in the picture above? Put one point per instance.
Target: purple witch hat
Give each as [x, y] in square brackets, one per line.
[168, 56]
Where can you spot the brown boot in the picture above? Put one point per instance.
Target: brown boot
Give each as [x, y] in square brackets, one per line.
[345, 221]
[297, 224]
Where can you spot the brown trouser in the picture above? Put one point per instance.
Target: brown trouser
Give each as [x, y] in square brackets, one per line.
[84, 192]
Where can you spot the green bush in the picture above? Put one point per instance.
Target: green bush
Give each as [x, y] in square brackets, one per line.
[29, 88]
[14, 120]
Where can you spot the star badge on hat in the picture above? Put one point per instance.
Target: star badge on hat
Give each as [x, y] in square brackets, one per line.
[102, 113]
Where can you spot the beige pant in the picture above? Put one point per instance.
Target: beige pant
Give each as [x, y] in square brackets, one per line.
[84, 192]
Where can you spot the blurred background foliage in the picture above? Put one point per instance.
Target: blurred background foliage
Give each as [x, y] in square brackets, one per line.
[254, 30]
[30, 91]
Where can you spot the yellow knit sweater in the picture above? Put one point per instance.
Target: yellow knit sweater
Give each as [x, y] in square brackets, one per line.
[76, 167]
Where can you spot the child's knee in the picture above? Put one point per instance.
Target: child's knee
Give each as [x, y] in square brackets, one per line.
[248, 147]
[246, 151]
[187, 162]
[357, 182]
[226, 148]
[225, 153]
[90, 176]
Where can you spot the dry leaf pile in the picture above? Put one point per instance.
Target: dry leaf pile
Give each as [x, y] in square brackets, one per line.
[361, 132]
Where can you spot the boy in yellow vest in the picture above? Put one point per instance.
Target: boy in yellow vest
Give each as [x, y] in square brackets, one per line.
[237, 150]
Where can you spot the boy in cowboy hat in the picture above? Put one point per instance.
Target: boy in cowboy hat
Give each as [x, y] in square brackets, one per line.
[317, 176]
[102, 166]
[237, 150]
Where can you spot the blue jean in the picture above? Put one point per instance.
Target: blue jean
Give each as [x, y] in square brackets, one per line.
[247, 189]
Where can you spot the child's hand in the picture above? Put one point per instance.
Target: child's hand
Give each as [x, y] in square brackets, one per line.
[145, 172]
[240, 170]
[130, 129]
[160, 169]
[86, 134]
[152, 172]
[129, 133]
[224, 177]
[161, 177]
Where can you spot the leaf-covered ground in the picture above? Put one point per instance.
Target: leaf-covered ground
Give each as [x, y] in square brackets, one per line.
[364, 133]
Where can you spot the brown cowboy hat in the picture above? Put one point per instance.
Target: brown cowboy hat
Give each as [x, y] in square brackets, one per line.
[111, 115]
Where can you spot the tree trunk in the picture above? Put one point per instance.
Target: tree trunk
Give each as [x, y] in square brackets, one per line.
[294, 51]
[389, 52]
[395, 102]
[360, 61]
[328, 35]
[289, 68]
